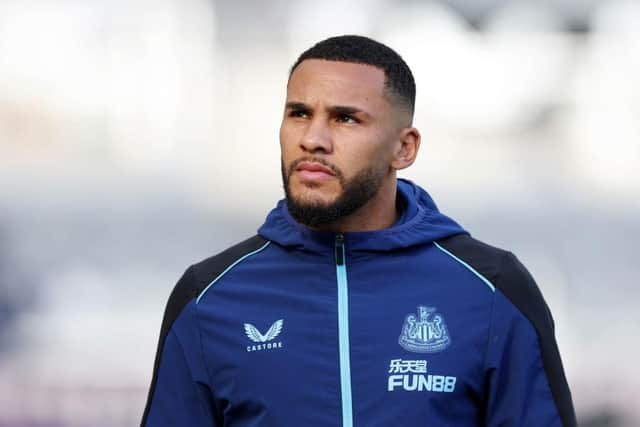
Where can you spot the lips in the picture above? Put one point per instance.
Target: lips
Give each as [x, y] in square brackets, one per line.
[314, 172]
[314, 167]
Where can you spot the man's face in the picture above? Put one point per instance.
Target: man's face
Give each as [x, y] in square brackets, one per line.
[336, 138]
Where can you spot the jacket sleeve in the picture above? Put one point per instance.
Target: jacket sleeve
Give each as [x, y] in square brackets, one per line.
[525, 380]
[180, 394]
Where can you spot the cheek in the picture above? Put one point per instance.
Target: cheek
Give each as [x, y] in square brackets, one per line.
[382, 152]
[288, 140]
[283, 136]
[372, 153]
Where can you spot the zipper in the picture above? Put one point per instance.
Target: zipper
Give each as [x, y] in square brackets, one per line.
[343, 332]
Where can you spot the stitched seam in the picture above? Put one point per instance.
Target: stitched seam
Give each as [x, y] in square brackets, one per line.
[475, 272]
[493, 312]
[229, 268]
[202, 354]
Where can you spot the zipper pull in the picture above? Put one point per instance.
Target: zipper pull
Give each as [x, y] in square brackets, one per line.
[340, 249]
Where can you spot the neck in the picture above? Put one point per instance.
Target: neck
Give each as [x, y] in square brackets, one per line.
[378, 213]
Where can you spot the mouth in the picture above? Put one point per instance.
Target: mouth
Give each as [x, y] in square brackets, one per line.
[314, 172]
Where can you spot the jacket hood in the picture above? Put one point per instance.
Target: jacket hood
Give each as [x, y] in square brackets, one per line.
[420, 223]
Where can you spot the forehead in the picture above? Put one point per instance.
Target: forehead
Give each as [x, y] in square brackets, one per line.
[342, 82]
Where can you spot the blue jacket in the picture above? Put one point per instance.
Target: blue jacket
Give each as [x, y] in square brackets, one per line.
[416, 324]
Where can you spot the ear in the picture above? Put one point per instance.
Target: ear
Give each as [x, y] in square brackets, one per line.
[406, 149]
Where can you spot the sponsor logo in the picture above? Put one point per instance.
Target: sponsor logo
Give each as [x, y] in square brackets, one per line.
[411, 375]
[426, 333]
[264, 342]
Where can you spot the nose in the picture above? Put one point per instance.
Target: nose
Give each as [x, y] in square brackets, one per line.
[317, 137]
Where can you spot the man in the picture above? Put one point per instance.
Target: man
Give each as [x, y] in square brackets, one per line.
[358, 303]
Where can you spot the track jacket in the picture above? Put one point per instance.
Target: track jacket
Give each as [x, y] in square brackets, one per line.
[416, 324]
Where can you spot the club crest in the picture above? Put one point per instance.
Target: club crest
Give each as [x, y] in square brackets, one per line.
[425, 333]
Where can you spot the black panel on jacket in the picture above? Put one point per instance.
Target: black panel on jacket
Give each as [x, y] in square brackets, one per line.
[192, 282]
[508, 275]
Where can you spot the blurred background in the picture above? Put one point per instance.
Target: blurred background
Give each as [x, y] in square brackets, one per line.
[137, 137]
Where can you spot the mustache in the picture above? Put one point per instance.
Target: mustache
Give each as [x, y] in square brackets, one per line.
[294, 165]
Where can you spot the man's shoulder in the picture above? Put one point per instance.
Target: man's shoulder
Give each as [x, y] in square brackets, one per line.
[502, 269]
[200, 275]
[203, 272]
[482, 257]
[514, 282]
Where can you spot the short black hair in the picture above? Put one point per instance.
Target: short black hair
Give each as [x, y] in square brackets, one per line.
[363, 50]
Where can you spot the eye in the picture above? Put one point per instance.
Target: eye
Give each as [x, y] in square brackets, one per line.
[346, 118]
[299, 113]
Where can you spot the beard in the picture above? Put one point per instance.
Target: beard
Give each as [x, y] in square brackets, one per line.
[356, 192]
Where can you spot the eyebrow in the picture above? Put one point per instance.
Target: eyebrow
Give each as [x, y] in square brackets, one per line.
[335, 109]
[293, 105]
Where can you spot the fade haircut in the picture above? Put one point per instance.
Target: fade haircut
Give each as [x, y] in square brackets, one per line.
[363, 50]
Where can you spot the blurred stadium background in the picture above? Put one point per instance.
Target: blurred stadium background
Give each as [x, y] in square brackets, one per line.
[137, 137]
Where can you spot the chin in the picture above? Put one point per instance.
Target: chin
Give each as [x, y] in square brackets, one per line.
[313, 194]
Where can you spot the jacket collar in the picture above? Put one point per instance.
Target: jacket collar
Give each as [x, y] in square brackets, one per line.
[420, 223]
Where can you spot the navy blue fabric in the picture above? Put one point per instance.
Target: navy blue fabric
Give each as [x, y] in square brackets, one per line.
[516, 384]
[212, 372]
